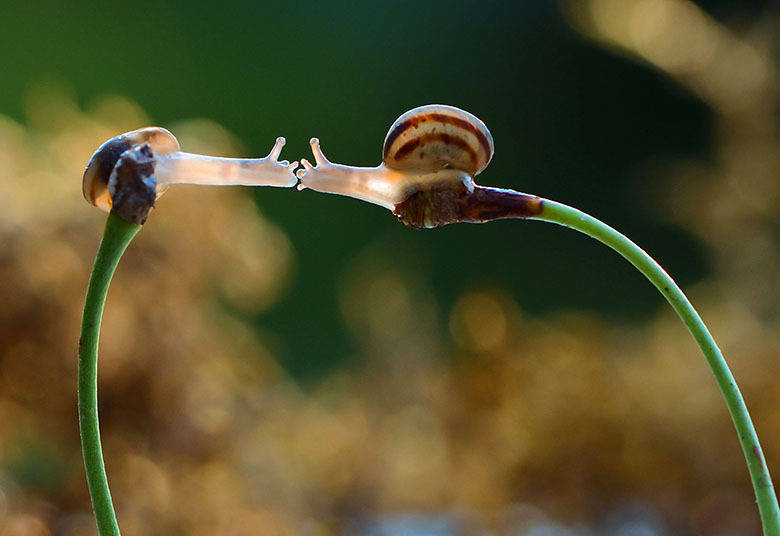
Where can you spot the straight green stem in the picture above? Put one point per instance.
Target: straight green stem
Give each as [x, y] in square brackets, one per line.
[759, 474]
[117, 236]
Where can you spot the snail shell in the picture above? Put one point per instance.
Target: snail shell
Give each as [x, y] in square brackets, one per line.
[100, 166]
[437, 136]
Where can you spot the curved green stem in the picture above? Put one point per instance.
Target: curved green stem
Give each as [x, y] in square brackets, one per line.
[759, 474]
[119, 233]
[117, 236]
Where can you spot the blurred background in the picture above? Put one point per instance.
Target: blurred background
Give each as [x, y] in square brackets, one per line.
[296, 363]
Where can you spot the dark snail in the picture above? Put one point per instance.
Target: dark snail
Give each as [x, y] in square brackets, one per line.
[170, 166]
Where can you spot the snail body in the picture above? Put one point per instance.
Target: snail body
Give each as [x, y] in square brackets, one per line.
[429, 147]
[169, 165]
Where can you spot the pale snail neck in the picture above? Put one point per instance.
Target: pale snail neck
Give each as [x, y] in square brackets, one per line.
[381, 185]
[188, 168]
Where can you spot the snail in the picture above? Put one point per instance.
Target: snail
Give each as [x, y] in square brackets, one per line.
[153, 155]
[430, 157]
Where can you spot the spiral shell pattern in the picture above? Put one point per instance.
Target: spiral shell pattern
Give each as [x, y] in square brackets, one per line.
[437, 136]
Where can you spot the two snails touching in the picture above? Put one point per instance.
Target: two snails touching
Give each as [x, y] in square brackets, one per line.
[430, 157]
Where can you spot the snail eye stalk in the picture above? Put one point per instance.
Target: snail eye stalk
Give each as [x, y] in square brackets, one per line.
[431, 155]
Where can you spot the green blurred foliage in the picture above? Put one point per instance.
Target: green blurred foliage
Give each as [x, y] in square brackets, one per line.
[570, 122]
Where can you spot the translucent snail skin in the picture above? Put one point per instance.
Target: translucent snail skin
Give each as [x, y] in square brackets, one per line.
[430, 157]
[155, 153]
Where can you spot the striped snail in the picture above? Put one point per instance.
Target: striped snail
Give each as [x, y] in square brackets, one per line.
[430, 157]
[153, 155]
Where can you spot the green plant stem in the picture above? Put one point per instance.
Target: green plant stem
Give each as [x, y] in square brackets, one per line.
[759, 474]
[117, 236]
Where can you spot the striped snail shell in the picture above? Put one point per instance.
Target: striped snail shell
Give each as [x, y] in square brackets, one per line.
[437, 136]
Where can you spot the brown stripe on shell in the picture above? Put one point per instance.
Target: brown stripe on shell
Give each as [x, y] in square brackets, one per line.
[406, 149]
[417, 120]
[402, 127]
